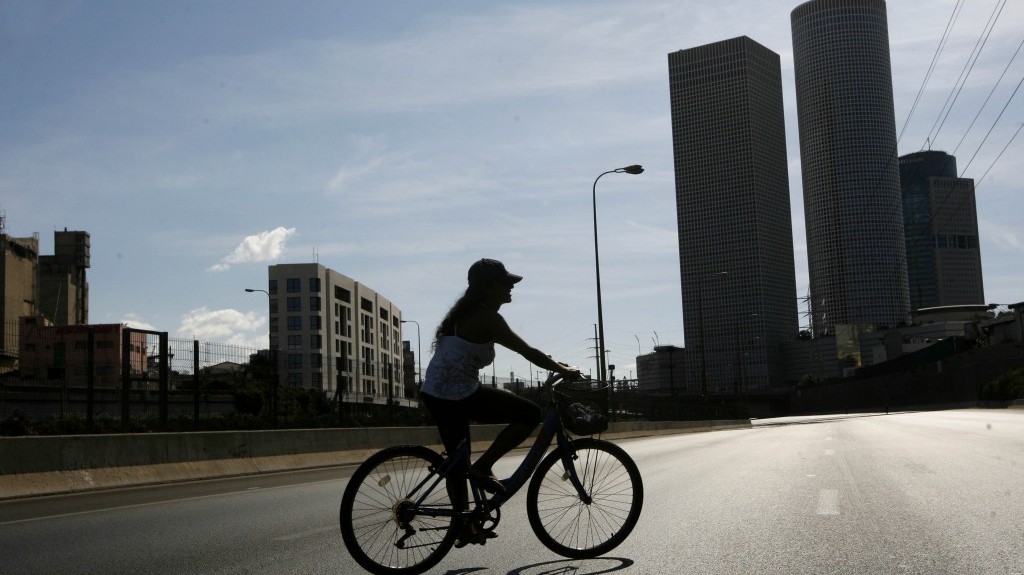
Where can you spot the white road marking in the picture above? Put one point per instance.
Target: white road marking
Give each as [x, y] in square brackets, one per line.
[828, 502]
[830, 452]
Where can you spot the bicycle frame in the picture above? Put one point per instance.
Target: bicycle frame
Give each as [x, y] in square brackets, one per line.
[551, 429]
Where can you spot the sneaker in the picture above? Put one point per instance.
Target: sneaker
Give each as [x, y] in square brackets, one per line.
[472, 533]
[487, 481]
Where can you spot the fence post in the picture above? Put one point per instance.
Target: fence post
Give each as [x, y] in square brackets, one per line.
[126, 376]
[195, 382]
[164, 376]
[90, 375]
[274, 356]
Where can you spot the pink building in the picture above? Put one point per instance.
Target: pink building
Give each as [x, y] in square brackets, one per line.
[61, 353]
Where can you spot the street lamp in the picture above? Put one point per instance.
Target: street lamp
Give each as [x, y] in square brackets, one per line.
[251, 290]
[703, 352]
[634, 169]
[272, 356]
[419, 349]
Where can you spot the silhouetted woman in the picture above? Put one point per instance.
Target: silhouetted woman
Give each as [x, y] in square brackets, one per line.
[451, 391]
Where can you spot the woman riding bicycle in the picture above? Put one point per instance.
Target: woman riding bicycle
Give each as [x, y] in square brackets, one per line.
[451, 391]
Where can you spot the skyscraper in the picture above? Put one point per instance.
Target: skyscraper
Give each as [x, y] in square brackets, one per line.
[941, 227]
[855, 244]
[732, 197]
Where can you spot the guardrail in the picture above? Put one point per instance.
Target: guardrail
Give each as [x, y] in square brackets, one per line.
[44, 465]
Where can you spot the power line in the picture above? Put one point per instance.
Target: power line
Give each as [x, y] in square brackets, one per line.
[965, 73]
[931, 67]
[992, 91]
[1008, 100]
[999, 156]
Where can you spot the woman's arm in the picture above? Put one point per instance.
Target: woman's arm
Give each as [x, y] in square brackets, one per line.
[501, 333]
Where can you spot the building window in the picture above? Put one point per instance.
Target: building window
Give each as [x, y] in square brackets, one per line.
[314, 303]
[342, 294]
[294, 380]
[367, 335]
[273, 287]
[294, 285]
[315, 341]
[316, 360]
[294, 361]
[295, 323]
[367, 305]
[294, 304]
[314, 285]
[295, 342]
[314, 323]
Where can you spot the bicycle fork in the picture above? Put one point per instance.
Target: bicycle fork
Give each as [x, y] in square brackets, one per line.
[569, 457]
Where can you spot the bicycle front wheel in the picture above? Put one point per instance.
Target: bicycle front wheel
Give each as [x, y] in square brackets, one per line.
[385, 531]
[572, 527]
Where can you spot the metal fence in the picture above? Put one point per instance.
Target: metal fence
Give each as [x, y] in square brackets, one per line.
[111, 377]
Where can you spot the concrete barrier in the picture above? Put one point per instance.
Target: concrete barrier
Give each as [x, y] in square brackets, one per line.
[46, 465]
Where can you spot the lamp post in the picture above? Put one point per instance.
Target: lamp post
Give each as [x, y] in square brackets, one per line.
[251, 290]
[419, 349]
[634, 169]
[703, 351]
[272, 357]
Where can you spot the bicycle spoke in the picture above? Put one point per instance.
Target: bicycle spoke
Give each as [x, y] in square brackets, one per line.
[562, 520]
[379, 501]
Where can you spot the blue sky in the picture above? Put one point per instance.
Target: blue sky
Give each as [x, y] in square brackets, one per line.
[397, 142]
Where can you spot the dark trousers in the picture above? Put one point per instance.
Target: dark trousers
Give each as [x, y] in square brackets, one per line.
[486, 405]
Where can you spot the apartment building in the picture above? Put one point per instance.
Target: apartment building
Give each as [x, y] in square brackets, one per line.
[338, 335]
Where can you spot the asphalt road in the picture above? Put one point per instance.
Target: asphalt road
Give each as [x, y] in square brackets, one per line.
[927, 493]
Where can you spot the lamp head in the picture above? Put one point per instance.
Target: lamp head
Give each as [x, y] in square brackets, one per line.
[634, 169]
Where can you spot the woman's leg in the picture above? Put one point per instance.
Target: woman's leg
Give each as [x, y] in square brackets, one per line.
[490, 405]
[453, 426]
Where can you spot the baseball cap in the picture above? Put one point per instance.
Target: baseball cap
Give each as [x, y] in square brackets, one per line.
[486, 271]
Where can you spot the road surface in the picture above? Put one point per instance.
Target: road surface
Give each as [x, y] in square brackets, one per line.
[928, 493]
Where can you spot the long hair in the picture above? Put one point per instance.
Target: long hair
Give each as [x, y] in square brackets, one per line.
[460, 310]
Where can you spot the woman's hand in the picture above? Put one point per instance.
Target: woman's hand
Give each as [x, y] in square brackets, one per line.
[568, 373]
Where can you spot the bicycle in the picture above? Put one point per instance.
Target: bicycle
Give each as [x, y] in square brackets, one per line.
[397, 518]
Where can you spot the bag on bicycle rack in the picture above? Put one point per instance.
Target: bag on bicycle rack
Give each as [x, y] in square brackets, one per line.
[583, 406]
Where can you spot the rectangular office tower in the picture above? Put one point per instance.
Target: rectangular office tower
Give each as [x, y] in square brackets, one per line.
[732, 201]
[941, 227]
[856, 257]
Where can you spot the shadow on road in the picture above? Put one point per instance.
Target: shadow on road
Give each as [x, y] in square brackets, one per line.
[560, 567]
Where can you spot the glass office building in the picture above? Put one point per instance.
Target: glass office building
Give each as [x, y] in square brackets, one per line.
[735, 227]
[941, 228]
[854, 216]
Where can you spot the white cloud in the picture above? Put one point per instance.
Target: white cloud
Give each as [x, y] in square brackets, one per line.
[135, 322]
[262, 247]
[225, 326]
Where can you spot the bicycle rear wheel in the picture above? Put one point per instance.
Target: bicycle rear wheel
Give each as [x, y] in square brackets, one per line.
[571, 527]
[382, 528]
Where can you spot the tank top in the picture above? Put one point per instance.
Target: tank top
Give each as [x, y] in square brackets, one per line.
[453, 371]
